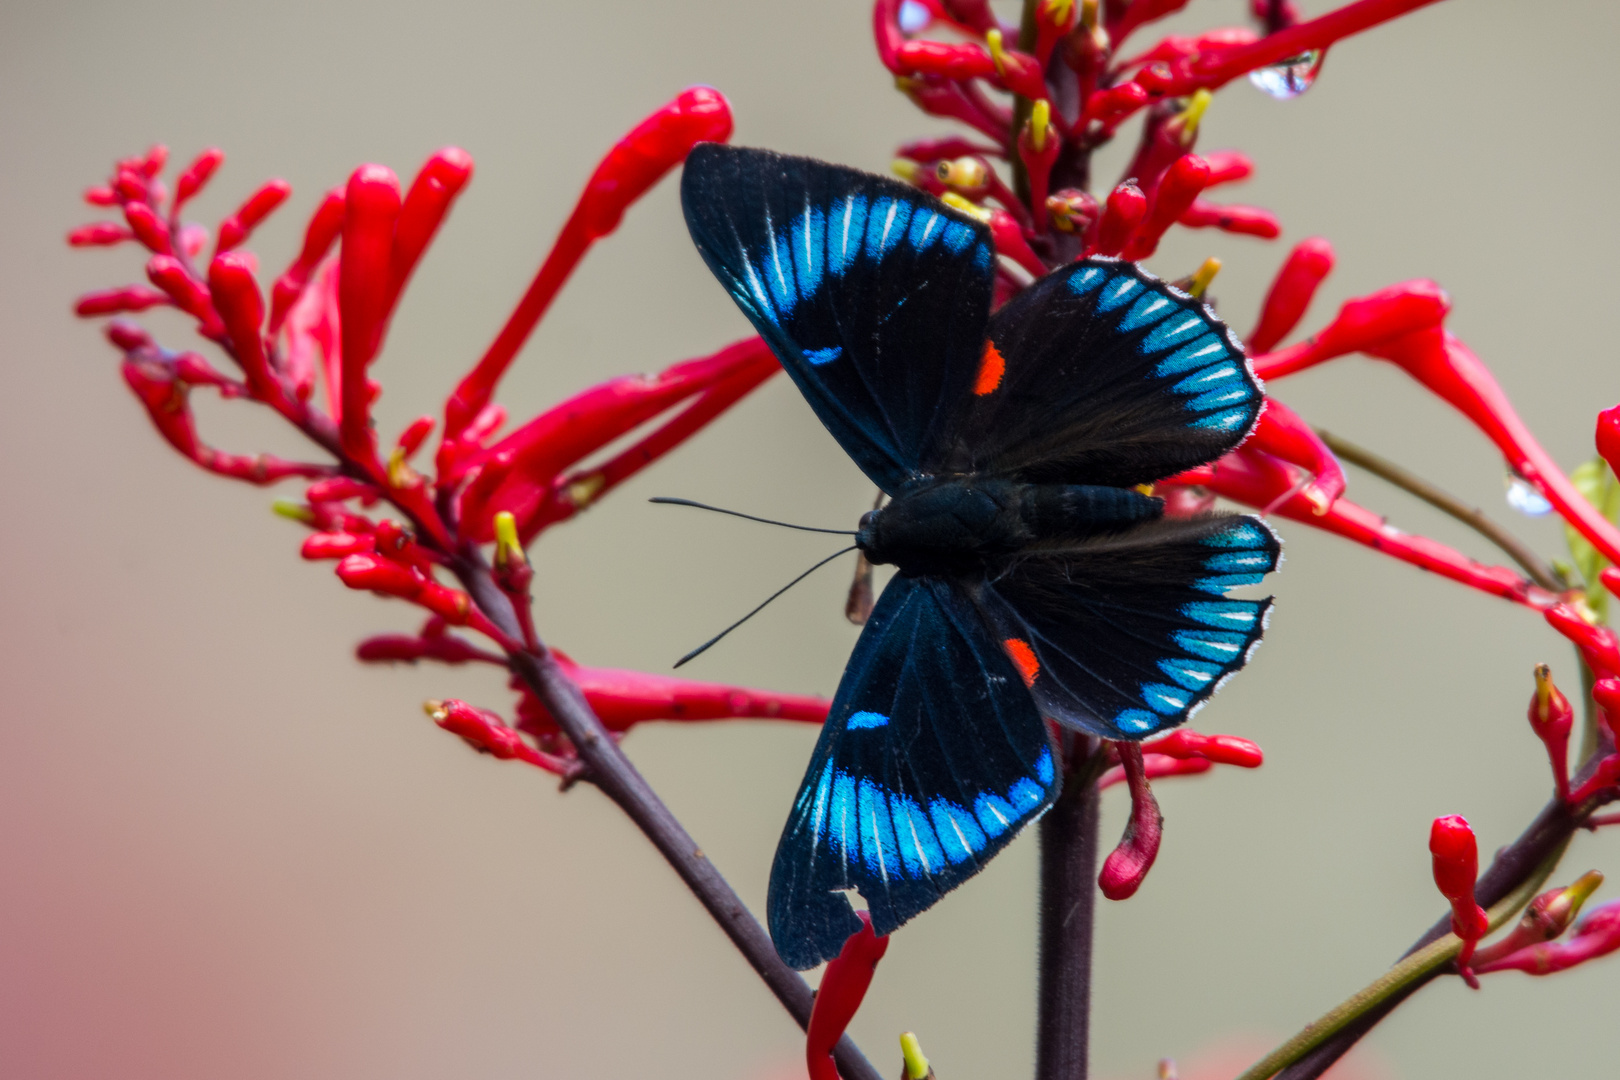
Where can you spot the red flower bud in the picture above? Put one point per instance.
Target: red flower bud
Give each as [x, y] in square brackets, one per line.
[339, 488]
[325, 545]
[1606, 775]
[1283, 433]
[1548, 916]
[197, 175]
[99, 234]
[1121, 215]
[236, 296]
[1239, 220]
[488, 734]
[1552, 718]
[1221, 749]
[1598, 644]
[1456, 865]
[372, 206]
[148, 228]
[1128, 864]
[128, 298]
[1291, 291]
[1606, 693]
[1608, 436]
[260, 205]
[843, 987]
[1109, 107]
[435, 188]
[1228, 167]
[188, 294]
[1009, 241]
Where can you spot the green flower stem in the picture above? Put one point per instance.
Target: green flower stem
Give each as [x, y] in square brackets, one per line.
[1415, 969]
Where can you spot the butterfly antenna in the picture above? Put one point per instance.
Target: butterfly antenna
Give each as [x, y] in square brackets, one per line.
[705, 646]
[664, 501]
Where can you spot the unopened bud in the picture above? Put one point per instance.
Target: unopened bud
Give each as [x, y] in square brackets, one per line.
[916, 1065]
[967, 175]
[1552, 718]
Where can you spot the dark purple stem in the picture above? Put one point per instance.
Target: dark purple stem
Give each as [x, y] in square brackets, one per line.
[612, 772]
[1068, 905]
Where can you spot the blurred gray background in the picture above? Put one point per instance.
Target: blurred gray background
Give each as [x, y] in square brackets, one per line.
[228, 850]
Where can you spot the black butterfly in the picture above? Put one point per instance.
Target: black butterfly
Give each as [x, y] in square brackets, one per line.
[1032, 580]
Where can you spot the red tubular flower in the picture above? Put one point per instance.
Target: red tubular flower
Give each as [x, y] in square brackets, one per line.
[1139, 13]
[387, 648]
[488, 734]
[1598, 644]
[1240, 220]
[236, 296]
[389, 578]
[1606, 692]
[1291, 291]
[1172, 197]
[260, 205]
[1597, 935]
[1282, 433]
[1456, 865]
[1009, 241]
[1552, 719]
[1260, 480]
[165, 399]
[1109, 108]
[335, 545]
[324, 227]
[1361, 324]
[1221, 749]
[1605, 776]
[1121, 215]
[624, 699]
[1547, 917]
[1157, 767]
[1038, 149]
[634, 164]
[435, 188]
[521, 473]
[188, 294]
[1128, 864]
[843, 987]
[372, 204]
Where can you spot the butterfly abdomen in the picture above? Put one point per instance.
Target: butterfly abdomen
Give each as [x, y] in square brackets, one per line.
[957, 526]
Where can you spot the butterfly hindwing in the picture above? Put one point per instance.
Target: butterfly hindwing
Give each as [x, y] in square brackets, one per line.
[1107, 376]
[932, 758]
[874, 295]
[1127, 634]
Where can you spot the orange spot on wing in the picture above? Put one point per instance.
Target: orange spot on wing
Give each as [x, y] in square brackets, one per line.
[1023, 657]
[991, 368]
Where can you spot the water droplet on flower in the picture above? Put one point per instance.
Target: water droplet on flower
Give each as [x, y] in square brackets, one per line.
[1523, 496]
[1290, 77]
[914, 17]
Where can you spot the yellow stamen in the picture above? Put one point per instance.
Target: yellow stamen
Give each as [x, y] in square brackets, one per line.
[508, 548]
[1088, 14]
[400, 474]
[1203, 276]
[1040, 117]
[583, 492]
[916, 1063]
[1568, 903]
[1197, 105]
[1544, 690]
[435, 710]
[1057, 12]
[963, 174]
[956, 202]
[905, 169]
[296, 511]
[1143, 489]
[998, 55]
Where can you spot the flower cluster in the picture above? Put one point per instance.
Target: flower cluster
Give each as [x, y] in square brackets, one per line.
[304, 349]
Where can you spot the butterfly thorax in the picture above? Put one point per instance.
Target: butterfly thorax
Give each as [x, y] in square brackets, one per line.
[959, 525]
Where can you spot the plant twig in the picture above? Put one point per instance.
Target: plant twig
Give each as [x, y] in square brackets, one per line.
[1399, 981]
[620, 781]
[1472, 516]
[1529, 859]
[1068, 902]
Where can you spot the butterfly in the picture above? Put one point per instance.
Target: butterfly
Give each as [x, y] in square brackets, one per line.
[1033, 580]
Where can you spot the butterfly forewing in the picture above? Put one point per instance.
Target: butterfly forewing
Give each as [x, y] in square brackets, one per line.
[1128, 634]
[1107, 376]
[932, 758]
[875, 296]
